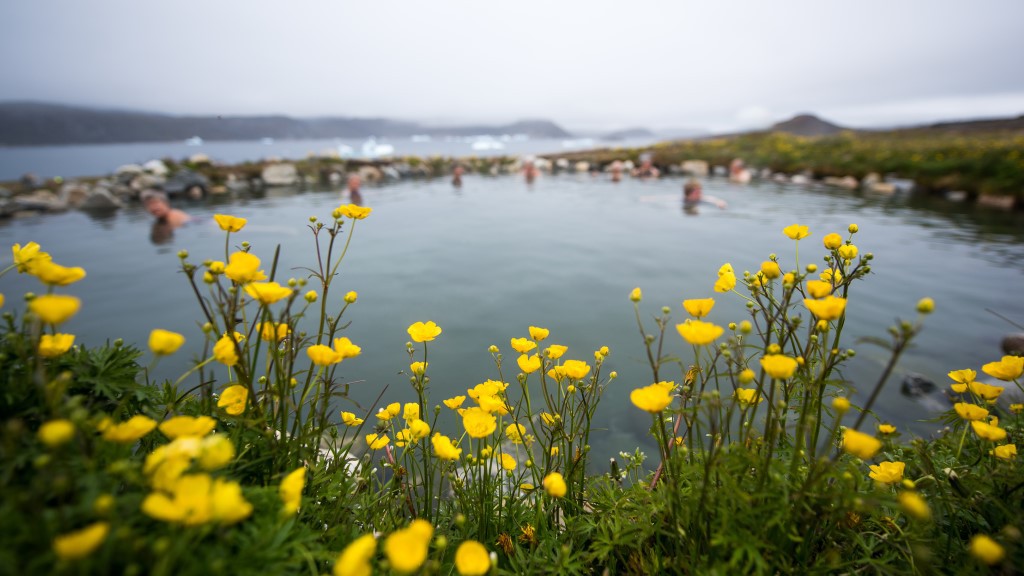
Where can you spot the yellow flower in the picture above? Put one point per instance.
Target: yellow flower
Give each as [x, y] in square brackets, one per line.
[350, 419]
[699, 333]
[224, 351]
[53, 274]
[1006, 451]
[861, 445]
[528, 364]
[886, 429]
[818, 288]
[418, 368]
[913, 505]
[636, 295]
[926, 305]
[539, 334]
[310, 296]
[522, 345]
[267, 292]
[291, 490]
[179, 426]
[986, 391]
[54, 308]
[747, 397]
[354, 212]
[229, 223]
[848, 252]
[1007, 369]
[832, 241]
[233, 399]
[197, 499]
[244, 267]
[478, 422]
[355, 558]
[274, 331]
[988, 431]
[56, 432]
[970, 411]
[986, 549]
[165, 342]
[841, 405]
[418, 429]
[377, 441]
[443, 447]
[55, 345]
[215, 452]
[424, 332]
[508, 462]
[455, 402]
[80, 543]
[829, 308]
[28, 257]
[699, 307]
[796, 231]
[747, 376]
[1, 300]
[834, 277]
[555, 351]
[322, 355]
[653, 398]
[554, 484]
[1017, 408]
[410, 412]
[407, 548]
[887, 472]
[575, 369]
[725, 282]
[346, 348]
[770, 270]
[779, 366]
[514, 432]
[472, 559]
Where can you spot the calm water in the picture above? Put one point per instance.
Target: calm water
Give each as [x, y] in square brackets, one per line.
[489, 259]
[99, 159]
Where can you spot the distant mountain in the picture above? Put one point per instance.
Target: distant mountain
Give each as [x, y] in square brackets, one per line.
[807, 125]
[33, 123]
[628, 133]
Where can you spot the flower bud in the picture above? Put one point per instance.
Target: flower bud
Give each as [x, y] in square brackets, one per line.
[492, 349]
[853, 228]
[312, 219]
[245, 244]
[636, 295]
[351, 296]
[292, 282]
[665, 310]
[182, 254]
[812, 268]
[746, 327]
[925, 305]
[311, 296]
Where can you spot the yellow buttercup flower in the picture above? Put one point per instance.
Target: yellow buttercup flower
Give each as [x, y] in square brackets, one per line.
[832, 241]
[986, 549]
[887, 472]
[81, 543]
[244, 267]
[539, 334]
[53, 274]
[508, 463]
[472, 559]
[54, 308]
[841, 405]
[346, 348]
[352, 211]
[1006, 451]
[913, 505]
[215, 452]
[770, 270]
[779, 366]
[1007, 369]
[926, 305]
[818, 288]
[478, 422]
[861, 445]
[699, 333]
[636, 295]
[377, 441]
[575, 369]
[1017, 408]
[355, 558]
[555, 351]
[963, 376]
[229, 223]
[55, 345]
[350, 419]
[165, 342]
[699, 307]
[726, 281]
[418, 368]
[55, 433]
[529, 364]
[455, 402]
[443, 447]
[554, 485]
[322, 355]
[522, 345]
[267, 292]
[833, 277]
[290, 490]
[829, 308]
[233, 399]
[129, 431]
[987, 431]
[747, 397]
[180, 426]
[411, 411]
[796, 231]
[27, 257]
[970, 411]
[746, 376]
[985, 391]
[886, 429]
[653, 398]
[274, 331]
[424, 332]
[407, 548]
[848, 252]
[197, 499]
[224, 351]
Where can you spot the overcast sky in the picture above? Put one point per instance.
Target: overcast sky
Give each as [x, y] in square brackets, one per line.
[589, 64]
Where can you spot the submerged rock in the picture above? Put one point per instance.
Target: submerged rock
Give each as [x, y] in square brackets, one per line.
[41, 200]
[101, 200]
[916, 385]
[1013, 344]
[283, 174]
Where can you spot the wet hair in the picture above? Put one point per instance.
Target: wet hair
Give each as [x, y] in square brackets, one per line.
[148, 195]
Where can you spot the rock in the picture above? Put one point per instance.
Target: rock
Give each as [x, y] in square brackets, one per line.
[370, 174]
[871, 179]
[697, 168]
[916, 385]
[41, 200]
[144, 181]
[74, 194]
[1013, 344]
[848, 182]
[218, 190]
[764, 173]
[199, 159]
[720, 171]
[391, 173]
[882, 188]
[4, 192]
[236, 184]
[799, 179]
[562, 164]
[101, 200]
[999, 202]
[7, 207]
[780, 177]
[956, 195]
[156, 167]
[582, 166]
[131, 169]
[184, 182]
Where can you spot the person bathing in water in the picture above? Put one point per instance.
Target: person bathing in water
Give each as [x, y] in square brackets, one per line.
[693, 195]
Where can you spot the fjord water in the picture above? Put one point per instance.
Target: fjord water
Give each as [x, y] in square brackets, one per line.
[489, 259]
